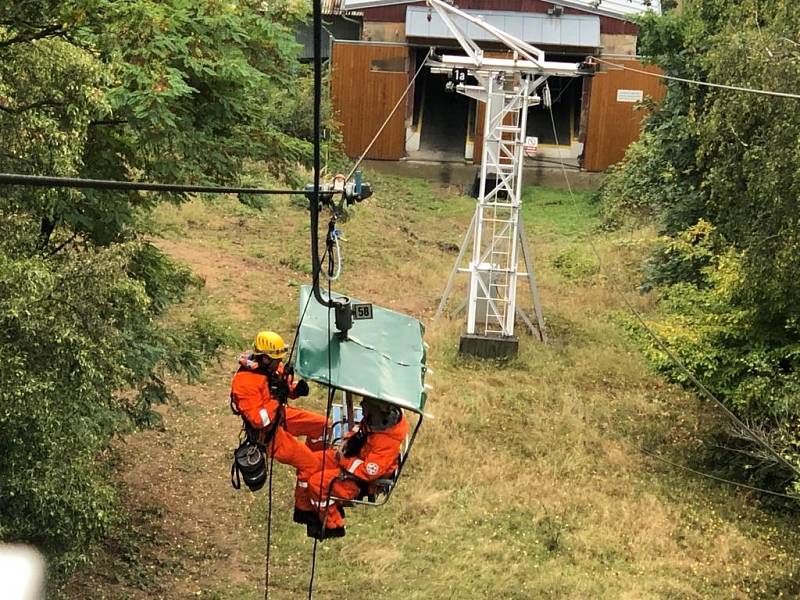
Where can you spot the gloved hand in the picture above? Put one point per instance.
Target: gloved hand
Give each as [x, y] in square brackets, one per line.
[280, 390]
[301, 389]
[353, 443]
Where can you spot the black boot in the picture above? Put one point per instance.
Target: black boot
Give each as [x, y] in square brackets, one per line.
[313, 526]
[316, 530]
[304, 517]
[336, 532]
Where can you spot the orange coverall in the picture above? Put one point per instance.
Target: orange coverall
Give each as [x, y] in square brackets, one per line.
[252, 397]
[378, 458]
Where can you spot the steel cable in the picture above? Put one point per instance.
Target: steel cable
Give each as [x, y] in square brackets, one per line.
[715, 478]
[140, 186]
[660, 342]
[723, 86]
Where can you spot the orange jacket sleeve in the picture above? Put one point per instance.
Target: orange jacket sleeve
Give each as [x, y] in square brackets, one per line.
[251, 396]
[379, 455]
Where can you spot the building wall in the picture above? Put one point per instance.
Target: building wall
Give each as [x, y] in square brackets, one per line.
[339, 27]
[620, 44]
[614, 124]
[366, 81]
[397, 13]
[383, 31]
[363, 98]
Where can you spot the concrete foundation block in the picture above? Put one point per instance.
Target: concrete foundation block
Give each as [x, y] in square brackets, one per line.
[488, 346]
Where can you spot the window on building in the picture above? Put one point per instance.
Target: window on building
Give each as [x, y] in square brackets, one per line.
[396, 64]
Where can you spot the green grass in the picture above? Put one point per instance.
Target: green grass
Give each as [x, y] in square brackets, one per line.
[528, 481]
[554, 214]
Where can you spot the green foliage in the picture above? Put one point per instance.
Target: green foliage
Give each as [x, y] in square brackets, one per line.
[175, 91]
[574, 265]
[81, 351]
[721, 343]
[717, 170]
[682, 258]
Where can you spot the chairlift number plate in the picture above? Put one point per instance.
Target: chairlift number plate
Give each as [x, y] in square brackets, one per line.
[362, 311]
[459, 75]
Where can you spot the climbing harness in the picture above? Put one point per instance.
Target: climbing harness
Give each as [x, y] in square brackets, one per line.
[249, 459]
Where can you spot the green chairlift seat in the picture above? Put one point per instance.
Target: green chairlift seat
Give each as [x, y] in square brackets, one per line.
[383, 358]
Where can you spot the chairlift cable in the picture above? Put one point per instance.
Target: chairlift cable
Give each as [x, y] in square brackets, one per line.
[141, 186]
[660, 342]
[388, 118]
[723, 86]
[316, 263]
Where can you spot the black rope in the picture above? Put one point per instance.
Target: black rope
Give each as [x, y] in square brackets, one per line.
[272, 451]
[279, 416]
[142, 186]
[328, 408]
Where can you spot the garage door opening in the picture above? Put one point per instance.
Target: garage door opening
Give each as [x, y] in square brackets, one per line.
[441, 120]
[566, 94]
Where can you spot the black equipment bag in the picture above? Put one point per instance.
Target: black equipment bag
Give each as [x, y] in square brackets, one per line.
[249, 463]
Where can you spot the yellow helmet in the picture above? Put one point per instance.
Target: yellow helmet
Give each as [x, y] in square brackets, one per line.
[269, 343]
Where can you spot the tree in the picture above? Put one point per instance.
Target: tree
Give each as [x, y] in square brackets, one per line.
[174, 91]
[726, 162]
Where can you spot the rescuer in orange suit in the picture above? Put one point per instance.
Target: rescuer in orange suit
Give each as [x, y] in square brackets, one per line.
[370, 452]
[256, 391]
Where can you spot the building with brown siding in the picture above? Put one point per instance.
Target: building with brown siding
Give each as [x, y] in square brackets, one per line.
[596, 118]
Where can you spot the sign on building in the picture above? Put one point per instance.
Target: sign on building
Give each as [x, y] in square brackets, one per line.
[531, 146]
[630, 95]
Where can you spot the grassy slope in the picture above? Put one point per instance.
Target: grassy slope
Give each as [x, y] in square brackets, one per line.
[526, 484]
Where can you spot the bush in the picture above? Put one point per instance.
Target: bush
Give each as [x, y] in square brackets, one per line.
[573, 265]
[82, 353]
[717, 171]
[170, 91]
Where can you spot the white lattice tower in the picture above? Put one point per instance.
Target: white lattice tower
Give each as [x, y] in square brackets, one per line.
[495, 250]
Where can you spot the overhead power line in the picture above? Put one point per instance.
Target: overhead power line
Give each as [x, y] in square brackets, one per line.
[723, 86]
[141, 186]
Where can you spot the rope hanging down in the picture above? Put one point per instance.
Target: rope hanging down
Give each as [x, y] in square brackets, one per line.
[141, 186]
[723, 86]
[269, 514]
[272, 455]
[328, 408]
[660, 342]
[715, 478]
[391, 114]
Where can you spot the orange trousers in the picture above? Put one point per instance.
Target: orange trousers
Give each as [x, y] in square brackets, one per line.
[287, 449]
[314, 490]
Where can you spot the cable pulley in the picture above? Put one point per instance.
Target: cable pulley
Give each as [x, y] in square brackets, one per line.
[350, 192]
